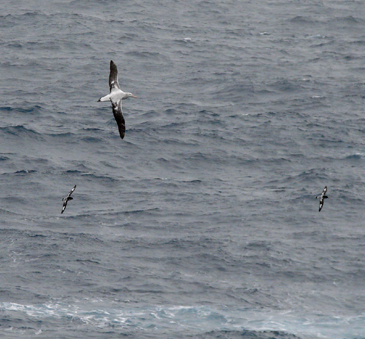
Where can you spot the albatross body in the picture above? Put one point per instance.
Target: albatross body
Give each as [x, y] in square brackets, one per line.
[116, 96]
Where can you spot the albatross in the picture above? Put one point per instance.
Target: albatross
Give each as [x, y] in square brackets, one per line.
[321, 198]
[116, 96]
[66, 199]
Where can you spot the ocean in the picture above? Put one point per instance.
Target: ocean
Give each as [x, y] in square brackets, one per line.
[203, 221]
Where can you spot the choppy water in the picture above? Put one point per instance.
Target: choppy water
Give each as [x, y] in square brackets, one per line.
[202, 222]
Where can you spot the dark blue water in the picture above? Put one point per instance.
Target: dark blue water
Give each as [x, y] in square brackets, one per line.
[202, 222]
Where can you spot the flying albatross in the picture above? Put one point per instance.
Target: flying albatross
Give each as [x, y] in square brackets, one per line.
[321, 198]
[116, 96]
[67, 198]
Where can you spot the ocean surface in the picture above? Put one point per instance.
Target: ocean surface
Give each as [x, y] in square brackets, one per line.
[202, 222]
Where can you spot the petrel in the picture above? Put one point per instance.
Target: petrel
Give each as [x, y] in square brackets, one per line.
[66, 199]
[116, 96]
[321, 198]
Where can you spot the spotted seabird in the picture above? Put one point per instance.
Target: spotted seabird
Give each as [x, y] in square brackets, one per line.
[321, 198]
[67, 198]
[116, 96]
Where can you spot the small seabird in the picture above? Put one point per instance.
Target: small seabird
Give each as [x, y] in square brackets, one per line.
[321, 198]
[116, 96]
[66, 199]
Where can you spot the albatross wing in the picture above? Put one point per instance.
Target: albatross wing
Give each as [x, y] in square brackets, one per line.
[113, 76]
[69, 195]
[118, 116]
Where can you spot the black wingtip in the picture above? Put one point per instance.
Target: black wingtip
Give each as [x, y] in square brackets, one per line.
[121, 130]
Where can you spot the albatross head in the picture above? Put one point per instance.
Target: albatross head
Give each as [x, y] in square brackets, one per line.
[128, 95]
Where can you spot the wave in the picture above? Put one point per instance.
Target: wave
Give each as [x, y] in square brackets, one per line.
[299, 19]
[348, 20]
[20, 130]
[4, 158]
[244, 334]
[185, 321]
[91, 139]
[31, 109]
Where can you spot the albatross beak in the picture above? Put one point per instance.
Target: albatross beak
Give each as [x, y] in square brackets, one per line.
[133, 96]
